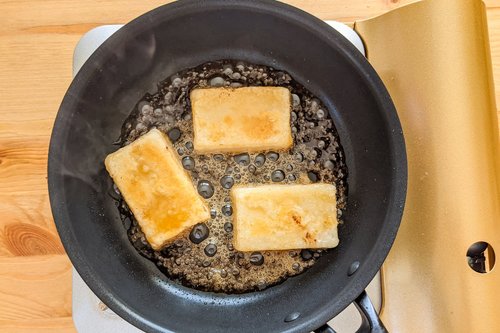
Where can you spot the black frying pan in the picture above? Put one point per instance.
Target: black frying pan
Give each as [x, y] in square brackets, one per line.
[186, 34]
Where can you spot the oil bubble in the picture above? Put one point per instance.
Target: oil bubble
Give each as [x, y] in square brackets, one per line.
[272, 156]
[218, 157]
[277, 176]
[227, 182]
[330, 165]
[188, 163]
[228, 227]
[199, 233]
[243, 159]
[174, 134]
[256, 258]
[205, 189]
[306, 254]
[260, 159]
[313, 176]
[210, 250]
[217, 81]
[227, 210]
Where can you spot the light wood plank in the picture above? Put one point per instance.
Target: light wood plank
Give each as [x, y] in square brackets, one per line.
[46, 325]
[35, 287]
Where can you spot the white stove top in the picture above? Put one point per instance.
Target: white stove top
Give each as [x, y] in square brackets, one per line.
[90, 315]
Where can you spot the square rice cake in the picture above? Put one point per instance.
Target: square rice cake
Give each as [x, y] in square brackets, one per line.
[247, 119]
[284, 217]
[156, 188]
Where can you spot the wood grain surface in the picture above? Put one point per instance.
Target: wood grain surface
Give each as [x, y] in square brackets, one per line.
[37, 38]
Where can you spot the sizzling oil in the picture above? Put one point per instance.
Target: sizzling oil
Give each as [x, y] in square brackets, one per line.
[204, 257]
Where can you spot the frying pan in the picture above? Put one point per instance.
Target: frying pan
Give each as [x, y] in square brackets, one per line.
[182, 35]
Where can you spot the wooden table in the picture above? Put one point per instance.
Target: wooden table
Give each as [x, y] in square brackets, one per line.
[37, 39]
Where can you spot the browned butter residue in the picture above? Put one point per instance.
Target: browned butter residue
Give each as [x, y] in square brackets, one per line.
[264, 116]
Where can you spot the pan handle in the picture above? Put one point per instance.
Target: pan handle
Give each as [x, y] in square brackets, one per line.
[370, 321]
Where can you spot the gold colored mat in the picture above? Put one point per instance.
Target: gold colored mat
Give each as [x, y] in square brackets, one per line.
[434, 58]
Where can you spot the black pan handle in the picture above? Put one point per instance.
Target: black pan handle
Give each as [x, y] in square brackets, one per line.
[370, 321]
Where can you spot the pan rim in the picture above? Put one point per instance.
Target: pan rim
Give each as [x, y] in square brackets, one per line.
[395, 211]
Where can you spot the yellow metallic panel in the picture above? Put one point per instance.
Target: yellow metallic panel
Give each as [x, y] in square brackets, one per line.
[434, 58]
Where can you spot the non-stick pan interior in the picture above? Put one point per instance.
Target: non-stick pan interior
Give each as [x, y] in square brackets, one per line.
[183, 35]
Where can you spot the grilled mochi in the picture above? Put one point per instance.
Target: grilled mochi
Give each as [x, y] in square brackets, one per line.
[243, 119]
[156, 188]
[284, 217]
